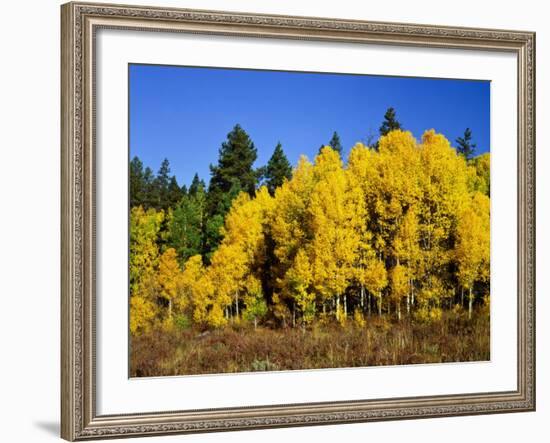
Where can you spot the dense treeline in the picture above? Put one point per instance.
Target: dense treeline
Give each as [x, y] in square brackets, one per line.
[401, 229]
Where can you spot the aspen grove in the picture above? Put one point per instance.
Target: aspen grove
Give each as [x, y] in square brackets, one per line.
[399, 230]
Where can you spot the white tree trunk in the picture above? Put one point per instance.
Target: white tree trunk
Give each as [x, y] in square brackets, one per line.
[470, 304]
[237, 304]
[409, 297]
[379, 304]
[345, 305]
[369, 303]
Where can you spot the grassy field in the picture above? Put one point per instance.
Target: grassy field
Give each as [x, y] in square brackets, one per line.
[242, 349]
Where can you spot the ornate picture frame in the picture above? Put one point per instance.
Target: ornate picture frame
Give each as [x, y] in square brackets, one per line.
[80, 22]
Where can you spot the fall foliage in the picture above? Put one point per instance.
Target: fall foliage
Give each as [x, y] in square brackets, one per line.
[398, 230]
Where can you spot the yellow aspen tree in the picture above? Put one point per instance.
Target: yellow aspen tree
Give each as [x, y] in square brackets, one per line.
[227, 270]
[376, 279]
[256, 306]
[399, 286]
[396, 183]
[482, 167]
[428, 308]
[143, 311]
[290, 230]
[360, 162]
[394, 189]
[192, 272]
[229, 262]
[193, 287]
[144, 252]
[290, 225]
[407, 251]
[335, 240]
[242, 251]
[144, 256]
[299, 278]
[169, 280]
[472, 249]
[444, 194]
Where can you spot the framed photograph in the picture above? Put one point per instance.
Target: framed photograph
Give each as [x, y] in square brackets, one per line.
[284, 221]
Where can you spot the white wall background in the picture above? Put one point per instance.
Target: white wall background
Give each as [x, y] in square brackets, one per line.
[29, 218]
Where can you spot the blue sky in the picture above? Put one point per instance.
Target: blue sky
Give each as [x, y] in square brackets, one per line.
[185, 113]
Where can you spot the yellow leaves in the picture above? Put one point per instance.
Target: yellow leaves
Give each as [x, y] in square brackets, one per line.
[299, 275]
[481, 166]
[335, 238]
[144, 258]
[410, 220]
[406, 247]
[290, 221]
[169, 275]
[299, 278]
[472, 250]
[360, 164]
[359, 319]
[399, 282]
[144, 232]
[326, 162]
[142, 314]
[215, 316]
[197, 288]
[375, 277]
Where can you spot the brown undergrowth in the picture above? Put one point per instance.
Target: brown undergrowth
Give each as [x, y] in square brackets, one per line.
[239, 348]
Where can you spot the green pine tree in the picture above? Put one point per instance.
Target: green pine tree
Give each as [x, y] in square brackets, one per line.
[334, 143]
[160, 186]
[212, 235]
[235, 164]
[148, 197]
[465, 147]
[137, 183]
[185, 229]
[196, 184]
[233, 173]
[174, 193]
[277, 170]
[390, 122]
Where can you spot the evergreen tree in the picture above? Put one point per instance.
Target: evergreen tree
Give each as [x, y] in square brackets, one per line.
[212, 228]
[160, 186]
[196, 184]
[390, 122]
[148, 199]
[277, 170]
[137, 182]
[334, 143]
[236, 158]
[174, 193]
[185, 230]
[465, 146]
[233, 173]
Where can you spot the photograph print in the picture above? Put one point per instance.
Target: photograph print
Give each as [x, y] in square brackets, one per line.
[300, 220]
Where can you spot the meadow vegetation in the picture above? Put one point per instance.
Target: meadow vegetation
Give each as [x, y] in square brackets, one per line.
[378, 259]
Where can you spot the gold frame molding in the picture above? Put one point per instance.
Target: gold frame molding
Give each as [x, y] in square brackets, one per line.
[79, 23]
